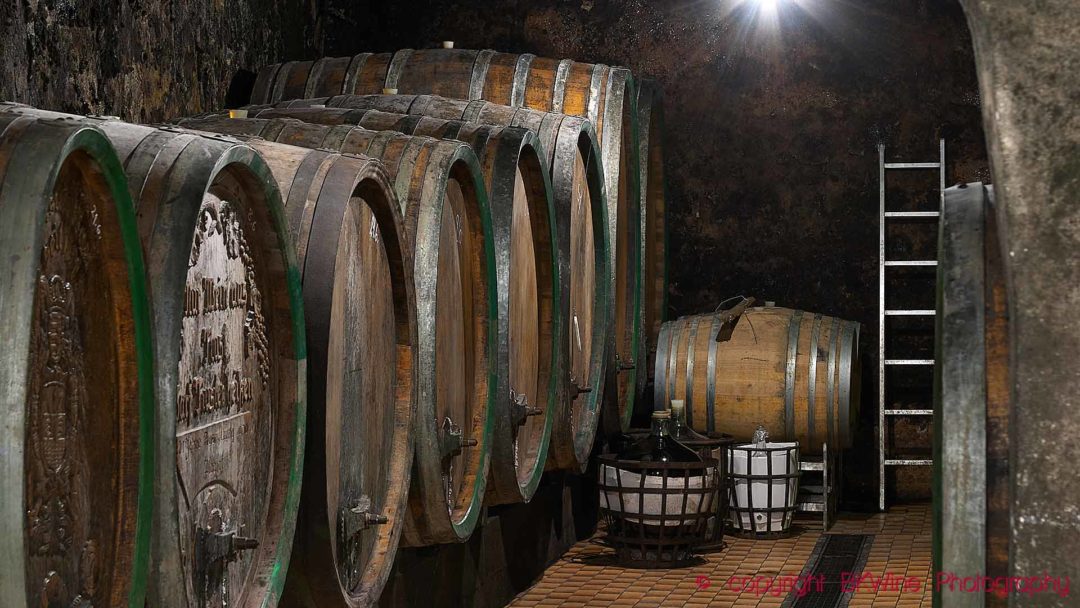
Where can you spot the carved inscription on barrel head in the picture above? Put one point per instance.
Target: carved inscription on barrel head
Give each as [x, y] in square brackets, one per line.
[62, 565]
[223, 407]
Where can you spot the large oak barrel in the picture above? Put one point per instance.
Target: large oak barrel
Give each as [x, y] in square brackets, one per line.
[230, 364]
[360, 315]
[77, 405]
[762, 375]
[569, 143]
[972, 404]
[650, 104]
[605, 95]
[531, 325]
[576, 174]
[444, 201]
[230, 355]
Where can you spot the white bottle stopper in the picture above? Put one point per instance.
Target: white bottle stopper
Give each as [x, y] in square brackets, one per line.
[389, 91]
[447, 44]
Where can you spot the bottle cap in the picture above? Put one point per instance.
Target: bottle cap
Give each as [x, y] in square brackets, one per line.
[661, 415]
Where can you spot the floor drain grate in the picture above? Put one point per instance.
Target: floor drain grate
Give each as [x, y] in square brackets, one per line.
[834, 555]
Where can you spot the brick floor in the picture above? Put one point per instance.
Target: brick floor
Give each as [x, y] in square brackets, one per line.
[747, 572]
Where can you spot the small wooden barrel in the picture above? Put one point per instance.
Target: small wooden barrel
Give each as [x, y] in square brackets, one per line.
[972, 404]
[531, 324]
[78, 402]
[441, 190]
[762, 375]
[360, 315]
[650, 105]
[569, 143]
[603, 94]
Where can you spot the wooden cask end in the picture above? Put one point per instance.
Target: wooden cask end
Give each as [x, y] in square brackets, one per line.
[447, 221]
[230, 364]
[360, 315]
[605, 95]
[231, 354]
[77, 369]
[577, 183]
[531, 325]
[762, 375]
[650, 103]
[972, 404]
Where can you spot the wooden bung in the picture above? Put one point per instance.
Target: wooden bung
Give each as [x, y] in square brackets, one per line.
[762, 375]
[605, 95]
[230, 364]
[78, 404]
[444, 203]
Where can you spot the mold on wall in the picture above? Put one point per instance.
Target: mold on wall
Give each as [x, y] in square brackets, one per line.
[142, 61]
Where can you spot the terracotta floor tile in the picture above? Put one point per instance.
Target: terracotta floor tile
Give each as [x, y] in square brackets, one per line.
[901, 548]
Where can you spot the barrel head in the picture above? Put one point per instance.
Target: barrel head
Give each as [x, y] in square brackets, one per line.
[77, 366]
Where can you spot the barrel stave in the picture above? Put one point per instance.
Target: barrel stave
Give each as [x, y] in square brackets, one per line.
[653, 209]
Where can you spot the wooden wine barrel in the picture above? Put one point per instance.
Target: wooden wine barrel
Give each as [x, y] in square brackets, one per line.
[578, 197]
[360, 316]
[77, 370]
[531, 324]
[603, 94]
[653, 254]
[761, 375]
[972, 403]
[441, 190]
[557, 133]
[230, 364]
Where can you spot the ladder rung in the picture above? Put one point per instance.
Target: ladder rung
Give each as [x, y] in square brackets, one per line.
[911, 262]
[902, 462]
[909, 361]
[912, 165]
[910, 313]
[811, 466]
[909, 412]
[912, 214]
